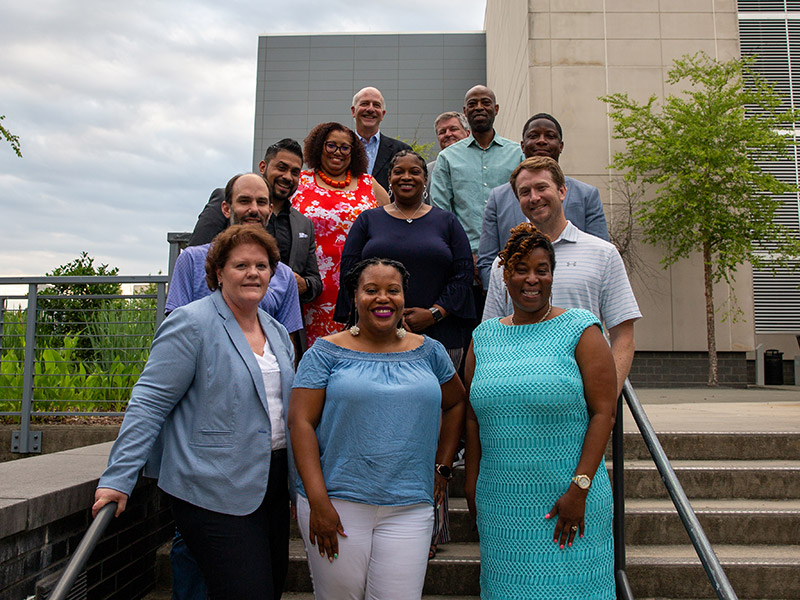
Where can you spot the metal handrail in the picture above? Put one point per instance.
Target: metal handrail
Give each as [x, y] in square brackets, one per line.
[624, 591]
[84, 551]
[719, 581]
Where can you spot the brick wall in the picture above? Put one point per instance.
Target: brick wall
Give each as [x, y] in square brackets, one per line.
[685, 369]
[41, 528]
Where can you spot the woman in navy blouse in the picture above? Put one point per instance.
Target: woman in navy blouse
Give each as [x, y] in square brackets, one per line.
[432, 245]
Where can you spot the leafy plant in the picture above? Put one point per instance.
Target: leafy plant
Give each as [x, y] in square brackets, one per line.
[701, 152]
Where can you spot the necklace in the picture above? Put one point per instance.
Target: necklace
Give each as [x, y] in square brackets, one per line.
[332, 182]
[547, 314]
[407, 218]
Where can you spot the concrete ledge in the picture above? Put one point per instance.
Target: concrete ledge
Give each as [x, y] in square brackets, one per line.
[41, 489]
[58, 437]
[45, 506]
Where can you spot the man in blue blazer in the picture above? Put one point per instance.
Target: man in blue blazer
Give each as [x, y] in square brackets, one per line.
[541, 136]
[368, 110]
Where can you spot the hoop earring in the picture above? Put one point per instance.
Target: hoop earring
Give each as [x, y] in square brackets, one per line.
[425, 196]
[390, 191]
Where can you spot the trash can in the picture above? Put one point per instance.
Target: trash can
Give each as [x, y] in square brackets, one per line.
[773, 367]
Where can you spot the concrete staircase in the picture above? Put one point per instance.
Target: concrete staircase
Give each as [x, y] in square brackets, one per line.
[744, 487]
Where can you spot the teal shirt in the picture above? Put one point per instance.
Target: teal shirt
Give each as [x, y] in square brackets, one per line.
[464, 175]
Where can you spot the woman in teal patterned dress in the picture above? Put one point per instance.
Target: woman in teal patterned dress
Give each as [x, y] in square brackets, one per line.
[542, 394]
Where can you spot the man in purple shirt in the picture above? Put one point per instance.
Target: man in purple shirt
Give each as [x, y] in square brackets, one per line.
[246, 201]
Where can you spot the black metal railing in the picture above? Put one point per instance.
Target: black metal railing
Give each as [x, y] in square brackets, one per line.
[719, 581]
[84, 551]
[624, 591]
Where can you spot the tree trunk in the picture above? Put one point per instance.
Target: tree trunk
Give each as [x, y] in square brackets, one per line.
[713, 376]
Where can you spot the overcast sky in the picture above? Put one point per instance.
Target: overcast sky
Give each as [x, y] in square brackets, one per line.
[129, 114]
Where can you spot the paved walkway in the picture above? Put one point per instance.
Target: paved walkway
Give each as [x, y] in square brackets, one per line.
[754, 409]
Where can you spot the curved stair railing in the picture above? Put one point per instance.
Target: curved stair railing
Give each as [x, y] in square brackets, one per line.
[83, 552]
[708, 558]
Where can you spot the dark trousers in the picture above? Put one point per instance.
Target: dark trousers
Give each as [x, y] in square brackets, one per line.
[242, 557]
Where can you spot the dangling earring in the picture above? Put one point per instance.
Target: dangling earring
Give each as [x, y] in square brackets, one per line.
[355, 330]
[390, 192]
[425, 196]
[400, 333]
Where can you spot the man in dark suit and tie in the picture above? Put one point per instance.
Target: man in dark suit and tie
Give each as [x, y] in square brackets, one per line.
[368, 110]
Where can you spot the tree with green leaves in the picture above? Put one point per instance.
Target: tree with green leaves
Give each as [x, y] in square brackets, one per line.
[702, 153]
[73, 310]
[10, 138]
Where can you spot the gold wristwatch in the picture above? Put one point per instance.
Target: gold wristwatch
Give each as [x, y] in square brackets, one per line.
[582, 481]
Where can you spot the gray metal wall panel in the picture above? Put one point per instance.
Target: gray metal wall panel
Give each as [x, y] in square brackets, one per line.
[308, 79]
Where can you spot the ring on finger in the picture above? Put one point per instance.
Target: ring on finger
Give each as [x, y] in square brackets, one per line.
[574, 528]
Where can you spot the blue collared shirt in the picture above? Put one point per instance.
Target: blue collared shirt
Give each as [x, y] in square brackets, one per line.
[371, 146]
[464, 176]
[189, 284]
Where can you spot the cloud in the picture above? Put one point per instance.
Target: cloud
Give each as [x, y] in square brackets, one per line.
[130, 114]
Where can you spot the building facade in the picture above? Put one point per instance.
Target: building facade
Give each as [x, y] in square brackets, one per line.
[576, 51]
[560, 56]
[304, 80]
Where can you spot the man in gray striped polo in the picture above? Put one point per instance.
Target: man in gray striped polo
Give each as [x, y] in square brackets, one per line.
[589, 271]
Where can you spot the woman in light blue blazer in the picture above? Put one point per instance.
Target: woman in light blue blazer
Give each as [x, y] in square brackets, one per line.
[217, 383]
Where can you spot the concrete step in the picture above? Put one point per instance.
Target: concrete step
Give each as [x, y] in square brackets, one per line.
[747, 522]
[649, 521]
[655, 571]
[766, 445]
[756, 479]
[764, 572]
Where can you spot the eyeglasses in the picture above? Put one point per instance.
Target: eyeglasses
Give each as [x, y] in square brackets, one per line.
[331, 148]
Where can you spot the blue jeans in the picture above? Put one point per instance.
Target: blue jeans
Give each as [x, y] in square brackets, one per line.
[187, 579]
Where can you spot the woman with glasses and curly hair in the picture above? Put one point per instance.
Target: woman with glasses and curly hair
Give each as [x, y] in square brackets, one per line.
[332, 193]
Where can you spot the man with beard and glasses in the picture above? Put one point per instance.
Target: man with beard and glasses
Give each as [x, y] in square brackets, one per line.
[293, 231]
[469, 169]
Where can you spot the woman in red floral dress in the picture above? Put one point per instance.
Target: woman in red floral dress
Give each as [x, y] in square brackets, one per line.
[332, 194]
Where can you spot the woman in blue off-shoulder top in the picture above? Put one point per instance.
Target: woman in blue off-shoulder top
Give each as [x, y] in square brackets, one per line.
[364, 421]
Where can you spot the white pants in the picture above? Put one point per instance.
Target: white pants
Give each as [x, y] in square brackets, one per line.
[383, 557]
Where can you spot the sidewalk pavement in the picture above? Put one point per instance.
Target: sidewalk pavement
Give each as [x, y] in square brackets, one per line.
[753, 409]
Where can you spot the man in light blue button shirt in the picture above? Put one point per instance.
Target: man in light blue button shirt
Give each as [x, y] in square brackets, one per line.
[468, 170]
